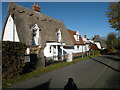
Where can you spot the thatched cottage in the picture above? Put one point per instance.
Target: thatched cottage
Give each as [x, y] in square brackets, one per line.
[94, 44]
[79, 45]
[36, 29]
[99, 42]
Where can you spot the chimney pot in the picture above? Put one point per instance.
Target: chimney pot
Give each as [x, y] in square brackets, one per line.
[35, 7]
[85, 36]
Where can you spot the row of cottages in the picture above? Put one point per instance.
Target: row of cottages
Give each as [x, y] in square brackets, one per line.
[41, 32]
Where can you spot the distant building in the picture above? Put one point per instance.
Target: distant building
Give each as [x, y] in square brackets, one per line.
[99, 42]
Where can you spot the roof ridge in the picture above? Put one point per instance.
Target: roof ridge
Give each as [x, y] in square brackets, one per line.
[14, 5]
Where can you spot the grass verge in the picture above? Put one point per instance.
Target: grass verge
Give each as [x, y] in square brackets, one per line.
[39, 72]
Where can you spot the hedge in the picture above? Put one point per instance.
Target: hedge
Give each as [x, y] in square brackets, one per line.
[12, 59]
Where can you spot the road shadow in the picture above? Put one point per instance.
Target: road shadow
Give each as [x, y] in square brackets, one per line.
[105, 64]
[44, 86]
[70, 85]
[113, 56]
[114, 53]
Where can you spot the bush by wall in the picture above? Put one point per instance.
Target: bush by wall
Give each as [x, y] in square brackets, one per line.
[96, 52]
[12, 59]
[103, 52]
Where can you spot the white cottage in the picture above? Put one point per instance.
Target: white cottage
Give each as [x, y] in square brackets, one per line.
[99, 42]
[78, 42]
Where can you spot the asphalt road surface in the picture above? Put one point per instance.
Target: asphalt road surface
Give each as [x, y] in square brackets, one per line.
[99, 72]
[0, 69]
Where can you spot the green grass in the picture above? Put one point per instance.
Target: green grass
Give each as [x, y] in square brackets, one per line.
[39, 72]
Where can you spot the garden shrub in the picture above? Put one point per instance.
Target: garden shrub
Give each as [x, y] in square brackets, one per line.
[97, 52]
[103, 52]
[12, 59]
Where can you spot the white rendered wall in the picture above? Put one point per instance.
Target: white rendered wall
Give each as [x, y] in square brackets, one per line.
[47, 51]
[54, 51]
[78, 48]
[75, 47]
[10, 33]
[98, 45]
[87, 47]
[84, 48]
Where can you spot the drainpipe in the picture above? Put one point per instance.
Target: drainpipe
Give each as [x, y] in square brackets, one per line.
[57, 52]
[82, 51]
[62, 52]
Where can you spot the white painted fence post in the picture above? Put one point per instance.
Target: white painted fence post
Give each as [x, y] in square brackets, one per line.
[69, 57]
[62, 53]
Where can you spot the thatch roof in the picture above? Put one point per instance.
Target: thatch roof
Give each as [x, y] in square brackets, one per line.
[98, 39]
[25, 18]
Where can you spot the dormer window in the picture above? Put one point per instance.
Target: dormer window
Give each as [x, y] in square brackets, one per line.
[76, 36]
[35, 34]
[59, 33]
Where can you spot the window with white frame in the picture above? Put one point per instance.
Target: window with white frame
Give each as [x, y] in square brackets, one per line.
[76, 36]
[50, 49]
[54, 49]
[77, 47]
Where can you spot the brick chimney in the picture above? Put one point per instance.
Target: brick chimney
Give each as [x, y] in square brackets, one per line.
[35, 7]
[85, 36]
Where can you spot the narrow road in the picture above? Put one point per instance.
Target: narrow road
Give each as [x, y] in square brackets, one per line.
[0, 69]
[99, 72]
